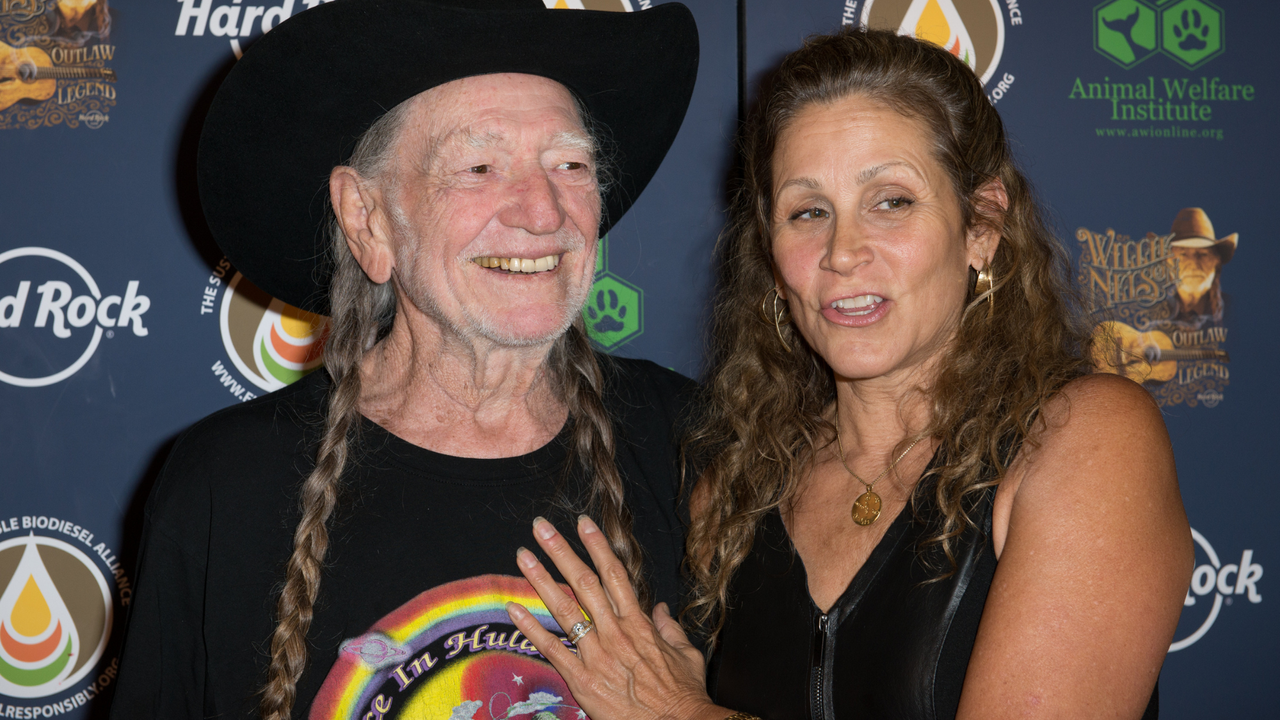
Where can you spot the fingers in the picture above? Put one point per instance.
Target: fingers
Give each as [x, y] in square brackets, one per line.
[563, 608]
[613, 574]
[669, 629]
[580, 577]
[562, 658]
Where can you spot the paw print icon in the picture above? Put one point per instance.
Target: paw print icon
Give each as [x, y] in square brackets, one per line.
[614, 313]
[1192, 32]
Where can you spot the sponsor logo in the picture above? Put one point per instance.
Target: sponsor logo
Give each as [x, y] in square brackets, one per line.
[45, 321]
[1224, 581]
[59, 594]
[973, 30]
[1189, 33]
[54, 63]
[614, 314]
[1158, 305]
[269, 344]
[231, 20]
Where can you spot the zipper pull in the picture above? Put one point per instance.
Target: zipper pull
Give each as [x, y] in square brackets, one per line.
[823, 621]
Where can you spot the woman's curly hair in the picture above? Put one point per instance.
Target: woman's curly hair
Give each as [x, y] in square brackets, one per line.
[765, 409]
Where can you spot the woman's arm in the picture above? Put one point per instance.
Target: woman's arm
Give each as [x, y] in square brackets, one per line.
[1095, 559]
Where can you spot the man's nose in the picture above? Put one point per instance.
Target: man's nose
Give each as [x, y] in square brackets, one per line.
[534, 205]
[847, 248]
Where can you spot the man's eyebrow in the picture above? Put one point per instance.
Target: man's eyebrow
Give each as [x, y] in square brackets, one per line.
[574, 140]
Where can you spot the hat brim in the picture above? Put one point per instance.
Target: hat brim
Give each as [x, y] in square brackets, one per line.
[293, 107]
[1225, 247]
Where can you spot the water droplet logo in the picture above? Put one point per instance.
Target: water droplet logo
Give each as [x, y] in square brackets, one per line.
[55, 616]
[972, 30]
[271, 342]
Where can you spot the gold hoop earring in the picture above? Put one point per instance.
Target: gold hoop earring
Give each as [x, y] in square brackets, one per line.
[777, 314]
[986, 284]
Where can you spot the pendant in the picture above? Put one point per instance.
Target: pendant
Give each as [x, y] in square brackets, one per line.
[866, 508]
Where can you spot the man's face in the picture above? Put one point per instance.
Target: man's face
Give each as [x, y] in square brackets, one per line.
[495, 208]
[1196, 268]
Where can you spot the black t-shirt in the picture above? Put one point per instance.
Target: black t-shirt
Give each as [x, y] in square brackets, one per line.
[411, 617]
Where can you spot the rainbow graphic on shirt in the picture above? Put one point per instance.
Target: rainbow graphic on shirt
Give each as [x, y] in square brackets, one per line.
[450, 653]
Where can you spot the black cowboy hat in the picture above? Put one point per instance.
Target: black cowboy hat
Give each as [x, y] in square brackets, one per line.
[292, 108]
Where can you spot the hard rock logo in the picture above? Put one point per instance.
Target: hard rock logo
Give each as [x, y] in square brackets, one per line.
[972, 30]
[55, 58]
[55, 616]
[1159, 307]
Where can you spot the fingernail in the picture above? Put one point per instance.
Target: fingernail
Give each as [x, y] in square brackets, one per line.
[526, 558]
[662, 607]
[588, 526]
[514, 610]
[543, 529]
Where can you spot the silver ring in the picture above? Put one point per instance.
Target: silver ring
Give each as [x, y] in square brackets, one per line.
[579, 630]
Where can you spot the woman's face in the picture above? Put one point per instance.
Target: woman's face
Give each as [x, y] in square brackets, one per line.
[869, 244]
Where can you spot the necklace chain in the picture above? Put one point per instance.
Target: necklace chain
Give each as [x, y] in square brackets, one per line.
[884, 472]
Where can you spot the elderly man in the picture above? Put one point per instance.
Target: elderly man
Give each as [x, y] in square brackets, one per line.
[1199, 257]
[345, 547]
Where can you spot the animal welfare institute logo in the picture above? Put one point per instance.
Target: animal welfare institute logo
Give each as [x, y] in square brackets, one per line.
[54, 63]
[269, 343]
[53, 316]
[59, 594]
[1188, 34]
[973, 30]
[1225, 581]
[614, 314]
[1160, 308]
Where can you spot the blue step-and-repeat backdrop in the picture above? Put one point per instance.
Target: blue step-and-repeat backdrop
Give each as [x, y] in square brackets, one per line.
[1142, 123]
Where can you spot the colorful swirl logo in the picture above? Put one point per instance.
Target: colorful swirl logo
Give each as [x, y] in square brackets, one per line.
[272, 343]
[55, 616]
[972, 30]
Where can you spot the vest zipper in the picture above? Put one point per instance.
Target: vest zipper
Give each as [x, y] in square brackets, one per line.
[817, 669]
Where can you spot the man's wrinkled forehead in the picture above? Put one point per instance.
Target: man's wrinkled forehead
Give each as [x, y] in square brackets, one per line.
[475, 113]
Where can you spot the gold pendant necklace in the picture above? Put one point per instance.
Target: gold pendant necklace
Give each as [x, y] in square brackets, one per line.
[866, 509]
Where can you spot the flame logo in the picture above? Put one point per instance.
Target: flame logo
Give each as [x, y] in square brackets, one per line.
[974, 34]
[271, 343]
[289, 343]
[38, 637]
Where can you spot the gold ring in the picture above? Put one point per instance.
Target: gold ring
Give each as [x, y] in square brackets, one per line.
[579, 630]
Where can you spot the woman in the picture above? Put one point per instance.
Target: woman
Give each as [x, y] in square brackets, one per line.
[917, 407]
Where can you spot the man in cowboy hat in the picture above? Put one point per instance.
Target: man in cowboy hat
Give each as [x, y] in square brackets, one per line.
[344, 547]
[1199, 258]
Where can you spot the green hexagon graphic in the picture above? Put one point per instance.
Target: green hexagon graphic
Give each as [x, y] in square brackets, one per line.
[602, 254]
[1126, 31]
[615, 311]
[1192, 32]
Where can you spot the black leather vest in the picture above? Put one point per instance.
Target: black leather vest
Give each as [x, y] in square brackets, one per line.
[893, 645]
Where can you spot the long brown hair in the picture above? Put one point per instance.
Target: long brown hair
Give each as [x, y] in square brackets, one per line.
[763, 418]
[361, 312]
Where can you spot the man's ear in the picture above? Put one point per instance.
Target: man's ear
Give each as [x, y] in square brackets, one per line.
[982, 239]
[362, 217]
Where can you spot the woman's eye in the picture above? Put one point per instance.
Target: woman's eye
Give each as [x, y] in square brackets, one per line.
[812, 213]
[897, 203]
[478, 169]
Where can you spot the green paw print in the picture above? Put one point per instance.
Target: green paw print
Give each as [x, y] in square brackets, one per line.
[615, 311]
[1191, 31]
[602, 315]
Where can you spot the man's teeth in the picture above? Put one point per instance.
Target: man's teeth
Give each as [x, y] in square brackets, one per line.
[857, 303]
[520, 265]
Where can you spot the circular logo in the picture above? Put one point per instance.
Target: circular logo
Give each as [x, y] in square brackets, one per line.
[1226, 581]
[55, 616]
[48, 348]
[972, 30]
[270, 342]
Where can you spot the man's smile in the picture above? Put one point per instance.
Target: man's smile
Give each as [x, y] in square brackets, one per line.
[519, 265]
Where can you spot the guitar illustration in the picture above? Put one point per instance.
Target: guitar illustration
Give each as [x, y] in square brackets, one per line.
[29, 74]
[1143, 356]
